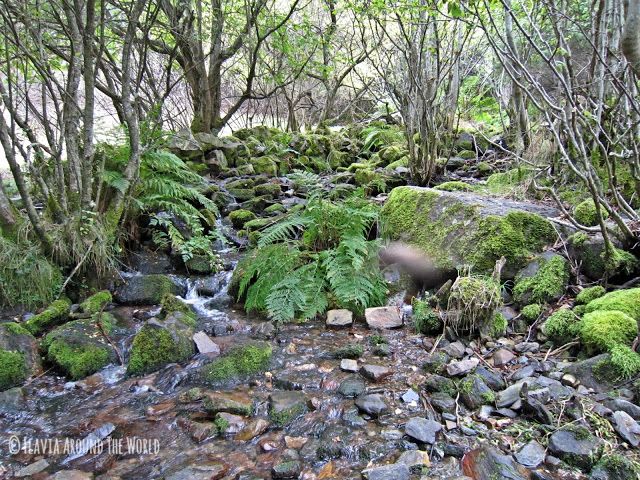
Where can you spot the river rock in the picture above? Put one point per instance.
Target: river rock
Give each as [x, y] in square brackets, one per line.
[352, 387]
[583, 372]
[32, 469]
[474, 392]
[71, 475]
[396, 471]
[204, 344]
[626, 406]
[493, 379]
[19, 345]
[286, 470]
[146, 289]
[422, 429]
[349, 365]
[373, 404]
[531, 455]
[375, 373]
[627, 428]
[442, 402]
[410, 396]
[488, 463]
[202, 471]
[502, 357]
[383, 317]
[462, 367]
[339, 318]
[414, 459]
[252, 429]
[285, 406]
[576, 447]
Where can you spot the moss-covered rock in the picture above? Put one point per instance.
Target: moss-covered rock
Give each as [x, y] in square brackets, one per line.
[79, 348]
[600, 331]
[585, 213]
[614, 466]
[19, 357]
[160, 342]
[267, 165]
[472, 304]
[13, 370]
[258, 224]
[201, 264]
[96, 302]
[627, 301]
[507, 182]
[239, 363]
[55, 314]
[588, 251]
[531, 312]
[544, 280]
[587, 295]
[365, 176]
[146, 290]
[272, 190]
[338, 159]
[455, 186]
[457, 228]
[275, 209]
[172, 304]
[425, 319]
[241, 194]
[562, 326]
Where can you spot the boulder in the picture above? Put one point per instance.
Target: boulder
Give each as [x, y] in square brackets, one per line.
[543, 280]
[19, 357]
[146, 289]
[423, 430]
[576, 446]
[339, 318]
[383, 317]
[462, 228]
[373, 404]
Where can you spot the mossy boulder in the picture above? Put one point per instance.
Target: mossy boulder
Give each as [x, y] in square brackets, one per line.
[96, 302]
[601, 331]
[146, 289]
[201, 264]
[338, 159]
[587, 295]
[272, 190]
[425, 319]
[161, 342]
[458, 228]
[267, 165]
[588, 251]
[585, 213]
[543, 280]
[239, 363]
[79, 348]
[455, 186]
[562, 326]
[365, 176]
[239, 217]
[531, 312]
[19, 357]
[627, 301]
[275, 209]
[503, 183]
[55, 314]
[241, 194]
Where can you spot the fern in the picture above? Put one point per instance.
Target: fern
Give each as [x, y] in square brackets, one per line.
[282, 231]
[376, 136]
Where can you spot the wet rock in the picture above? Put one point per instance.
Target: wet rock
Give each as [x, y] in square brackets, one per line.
[583, 372]
[12, 400]
[422, 429]
[265, 330]
[474, 392]
[624, 405]
[230, 424]
[352, 387]
[436, 363]
[577, 447]
[488, 463]
[203, 471]
[442, 402]
[569, 380]
[524, 372]
[146, 289]
[33, 469]
[438, 383]
[375, 373]
[462, 367]
[627, 428]
[383, 317]
[252, 429]
[71, 475]
[204, 344]
[509, 396]
[493, 379]
[339, 318]
[284, 407]
[373, 404]
[396, 471]
[531, 455]
[349, 365]
[198, 431]
[415, 460]
[19, 356]
[216, 402]
[502, 357]
[150, 262]
[292, 380]
[286, 470]
[295, 443]
[532, 406]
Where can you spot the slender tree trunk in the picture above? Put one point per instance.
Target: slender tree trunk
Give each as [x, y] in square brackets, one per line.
[7, 216]
[630, 41]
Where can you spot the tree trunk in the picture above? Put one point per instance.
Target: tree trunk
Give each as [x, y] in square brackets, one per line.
[630, 41]
[7, 217]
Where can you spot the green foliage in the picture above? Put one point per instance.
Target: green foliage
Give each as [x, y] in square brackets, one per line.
[26, 277]
[548, 283]
[96, 302]
[425, 319]
[377, 135]
[54, 314]
[311, 258]
[13, 369]
[499, 327]
[509, 182]
[585, 213]
[589, 294]
[601, 331]
[239, 363]
[472, 303]
[562, 326]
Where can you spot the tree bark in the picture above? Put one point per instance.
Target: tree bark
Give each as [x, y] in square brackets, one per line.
[630, 41]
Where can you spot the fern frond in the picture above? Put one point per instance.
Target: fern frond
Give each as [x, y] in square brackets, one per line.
[283, 230]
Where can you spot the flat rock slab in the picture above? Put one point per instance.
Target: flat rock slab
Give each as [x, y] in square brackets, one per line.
[502, 357]
[204, 344]
[422, 429]
[578, 449]
[387, 472]
[462, 367]
[349, 365]
[375, 373]
[531, 455]
[383, 317]
[627, 428]
[373, 404]
[339, 318]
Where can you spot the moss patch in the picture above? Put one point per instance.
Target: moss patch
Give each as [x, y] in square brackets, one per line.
[589, 294]
[78, 361]
[239, 363]
[13, 369]
[454, 187]
[96, 302]
[351, 350]
[548, 284]
[425, 319]
[627, 301]
[561, 327]
[54, 314]
[240, 217]
[531, 312]
[171, 304]
[585, 213]
[601, 331]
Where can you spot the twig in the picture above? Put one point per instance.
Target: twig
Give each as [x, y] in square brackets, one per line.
[74, 271]
[566, 346]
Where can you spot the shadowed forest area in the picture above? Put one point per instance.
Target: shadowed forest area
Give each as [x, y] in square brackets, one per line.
[320, 239]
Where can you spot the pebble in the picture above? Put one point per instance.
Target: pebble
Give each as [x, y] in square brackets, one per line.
[375, 373]
[373, 404]
[410, 396]
[204, 344]
[32, 469]
[396, 471]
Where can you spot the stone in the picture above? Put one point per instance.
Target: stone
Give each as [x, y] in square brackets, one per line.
[285, 406]
[233, 423]
[527, 347]
[488, 463]
[422, 429]
[397, 471]
[531, 455]
[383, 317]
[627, 428]
[146, 289]
[32, 469]
[455, 349]
[492, 378]
[203, 471]
[502, 357]
[474, 392]
[339, 318]
[410, 396]
[352, 387]
[204, 344]
[576, 447]
[624, 405]
[286, 470]
[569, 380]
[349, 365]
[252, 429]
[462, 367]
[373, 404]
[442, 402]
[71, 475]
[414, 459]
[375, 373]
[524, 372]
[509, 395]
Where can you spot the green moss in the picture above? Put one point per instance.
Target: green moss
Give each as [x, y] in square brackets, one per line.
[13, 369]
[221, 424]
[54, 314]
[585, 213]
[425, 319]
[454, 233]
[171, 304]
[579, 310]
[265, 165]
[258, 223]
[16, 328]
[589, 294]
[436, 363]
[286, 416]
[627, 301]
[269, 189]
[625, 362]
[241, 194]
[600, 331]
[499, 326]
[96, 302]
[240, 217]
[275, 208]
[351, 350]
[561, 327]
[155, 347]
[484, 168]
[402, 162]
[78, 361]
[507, 182]
[365, 176]
[488, 397]
[531, 312]
[549, 282]
[619, 466]
[238, 363]
[454, 187]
